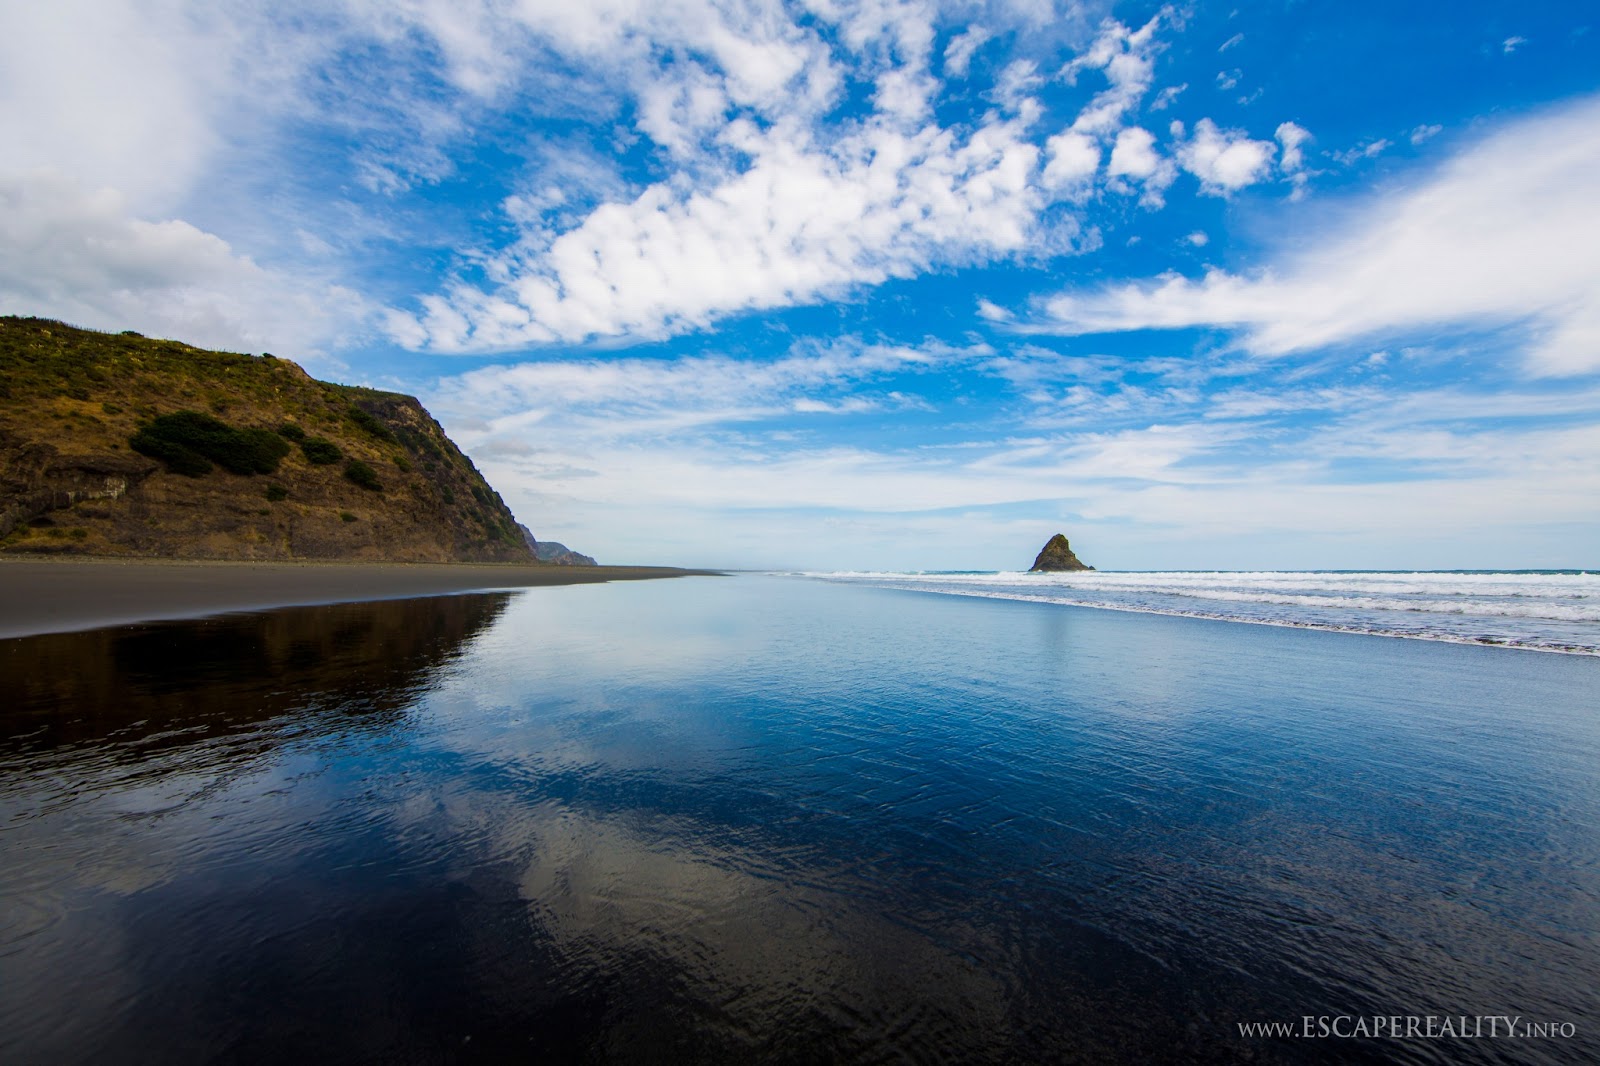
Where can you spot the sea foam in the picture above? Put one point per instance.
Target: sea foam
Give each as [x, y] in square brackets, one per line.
[1545, 610]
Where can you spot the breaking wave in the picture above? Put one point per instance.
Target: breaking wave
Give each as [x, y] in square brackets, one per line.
[1545, 610]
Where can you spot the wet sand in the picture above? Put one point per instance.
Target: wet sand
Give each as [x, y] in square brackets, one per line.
[64, 595]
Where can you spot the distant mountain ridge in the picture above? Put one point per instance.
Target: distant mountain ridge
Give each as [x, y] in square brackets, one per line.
[118, 444]
[550, 551]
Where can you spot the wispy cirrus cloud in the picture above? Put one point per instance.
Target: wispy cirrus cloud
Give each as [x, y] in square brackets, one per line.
[622, 398]
[1503, 234]
[646, 458]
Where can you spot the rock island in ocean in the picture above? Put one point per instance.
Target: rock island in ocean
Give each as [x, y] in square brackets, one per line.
[1056, 555]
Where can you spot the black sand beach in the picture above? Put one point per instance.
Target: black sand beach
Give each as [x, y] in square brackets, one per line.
[64, 595]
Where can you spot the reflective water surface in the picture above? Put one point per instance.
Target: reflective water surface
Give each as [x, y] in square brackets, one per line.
[768, 819]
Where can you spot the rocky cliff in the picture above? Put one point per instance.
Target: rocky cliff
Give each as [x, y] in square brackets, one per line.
[1057, 555]
[117, 444]
[552, 551]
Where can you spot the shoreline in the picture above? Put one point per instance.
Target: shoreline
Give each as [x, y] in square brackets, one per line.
[59, 595]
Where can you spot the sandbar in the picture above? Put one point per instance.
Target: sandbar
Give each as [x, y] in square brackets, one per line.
[64, 595]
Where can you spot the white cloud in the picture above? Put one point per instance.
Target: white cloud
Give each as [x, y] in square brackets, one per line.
[1134, 155]
[1231, 42]
[1424, 133]
[1224, 160]
[1504, 234]
[1164, 99]
[112, 94]
[1198, 239]
[1291, 137]
[82, 257]
[958, 53]
[1511, 44]
[798, 223]
[787, 210]
[1364, 150]
[1172, 480]
[1135, 158]
[621, 398]
[1127, 58]
[237, 120]
[1292, 160]
[1073, 159]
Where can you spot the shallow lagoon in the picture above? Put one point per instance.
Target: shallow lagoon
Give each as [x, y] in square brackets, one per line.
[725, 819]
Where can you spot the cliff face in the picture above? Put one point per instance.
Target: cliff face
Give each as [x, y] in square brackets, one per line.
[123, 445]
[1056, 555]
[552, 551]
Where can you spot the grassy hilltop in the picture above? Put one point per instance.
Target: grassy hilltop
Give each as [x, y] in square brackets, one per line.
[117, 444]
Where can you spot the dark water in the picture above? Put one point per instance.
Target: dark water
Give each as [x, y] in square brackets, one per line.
[766, 819]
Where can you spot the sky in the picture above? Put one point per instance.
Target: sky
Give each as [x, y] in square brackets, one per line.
[873, 285]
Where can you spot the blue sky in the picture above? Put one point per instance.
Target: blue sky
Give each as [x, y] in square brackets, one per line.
[874, 285]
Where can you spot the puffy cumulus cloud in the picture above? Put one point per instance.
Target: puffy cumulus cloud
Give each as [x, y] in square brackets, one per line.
[1503, 234]
[81, 256]
[1291, 137]
[1073, 160]
[486, 48]
[1224, 160]
[774, 200]
[1135, 155]
[993, 312]
[798, 223]
[776, 197]
[959, 52]
[1127, 58]
[772, 206]
[1292, 160]
[1135, 162]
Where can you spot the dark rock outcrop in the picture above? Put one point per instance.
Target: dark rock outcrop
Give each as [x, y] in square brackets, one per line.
[36, 479]
[1057, 555]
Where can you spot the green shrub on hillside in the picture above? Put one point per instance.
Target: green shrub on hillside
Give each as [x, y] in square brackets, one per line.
[363, 475]
[319, 451]
[292, 431]
[189, 442]
[371, 424]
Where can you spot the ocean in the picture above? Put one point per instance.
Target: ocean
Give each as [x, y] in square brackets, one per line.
[787, 819]
[1545, 610]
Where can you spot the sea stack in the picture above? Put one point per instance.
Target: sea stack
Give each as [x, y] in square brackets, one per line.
[1057, 555]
